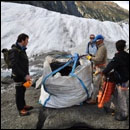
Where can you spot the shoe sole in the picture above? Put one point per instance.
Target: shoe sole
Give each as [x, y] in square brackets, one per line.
[25, 114]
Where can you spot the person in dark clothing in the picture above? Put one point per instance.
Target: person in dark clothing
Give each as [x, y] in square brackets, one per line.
[120, 65]
[20, 72]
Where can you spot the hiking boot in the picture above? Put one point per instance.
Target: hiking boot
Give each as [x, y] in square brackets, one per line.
[23, 112]
[109, 110]
[113, 113]
[120, 117]
[28, 108]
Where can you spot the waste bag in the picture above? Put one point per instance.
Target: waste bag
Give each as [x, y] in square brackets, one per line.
[61, 89]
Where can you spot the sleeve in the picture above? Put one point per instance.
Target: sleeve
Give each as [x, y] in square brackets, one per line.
[99, 55]
[110, 67]
[14, 57]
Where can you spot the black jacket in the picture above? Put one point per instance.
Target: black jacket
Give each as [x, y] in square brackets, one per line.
[120, 64]
[19, 63]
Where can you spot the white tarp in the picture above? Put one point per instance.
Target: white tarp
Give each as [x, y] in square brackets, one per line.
[65, 91]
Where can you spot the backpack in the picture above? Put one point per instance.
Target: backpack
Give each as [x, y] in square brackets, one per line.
[6, 54]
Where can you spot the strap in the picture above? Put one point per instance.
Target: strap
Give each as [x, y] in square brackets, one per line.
[82, 84]
[76, 57]
[55, 71]
[44, 80]
[88, 47]
[47, 100]
[63, 56]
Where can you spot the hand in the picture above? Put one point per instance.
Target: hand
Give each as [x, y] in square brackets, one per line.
[89, 57]
[28, 78]
[96, 73]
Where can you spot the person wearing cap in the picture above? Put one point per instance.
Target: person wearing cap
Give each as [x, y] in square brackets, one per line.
[91, 47]
[100, 60]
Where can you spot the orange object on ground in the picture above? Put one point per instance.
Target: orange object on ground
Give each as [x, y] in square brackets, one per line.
[99, 96]
[105, 94]
[23, 112]
[27, 84]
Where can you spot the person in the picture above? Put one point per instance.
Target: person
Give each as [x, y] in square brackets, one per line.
[100, 60]
[91, 50]
[120, 65]
[20, 72]
[91, 47]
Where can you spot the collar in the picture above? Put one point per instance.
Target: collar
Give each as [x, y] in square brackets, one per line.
[21, 47]
[100, 45]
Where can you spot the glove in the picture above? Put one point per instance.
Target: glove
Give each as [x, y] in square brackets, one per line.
[89, 57]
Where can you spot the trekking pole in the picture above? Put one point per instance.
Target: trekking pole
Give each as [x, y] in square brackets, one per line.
[83, 55]
[92, 74]
[102, 100]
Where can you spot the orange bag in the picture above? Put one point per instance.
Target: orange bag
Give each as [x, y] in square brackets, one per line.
[105, 94]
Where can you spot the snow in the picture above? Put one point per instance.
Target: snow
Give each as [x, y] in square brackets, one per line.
[49, 30]
[5, 72]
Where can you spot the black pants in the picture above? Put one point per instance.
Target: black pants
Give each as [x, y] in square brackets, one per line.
[20, 97]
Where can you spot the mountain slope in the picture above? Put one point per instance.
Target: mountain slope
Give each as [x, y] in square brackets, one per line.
[101, 10]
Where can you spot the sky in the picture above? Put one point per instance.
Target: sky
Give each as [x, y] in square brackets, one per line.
[124, 4]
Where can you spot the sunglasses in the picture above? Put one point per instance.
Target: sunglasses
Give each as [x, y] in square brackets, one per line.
[91, 37]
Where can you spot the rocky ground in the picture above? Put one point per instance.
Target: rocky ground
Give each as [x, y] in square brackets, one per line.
[85, 116]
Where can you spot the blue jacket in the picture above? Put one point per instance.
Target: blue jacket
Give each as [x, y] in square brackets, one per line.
[91, 49]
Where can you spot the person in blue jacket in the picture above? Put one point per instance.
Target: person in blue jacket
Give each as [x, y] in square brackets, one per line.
[91, 46]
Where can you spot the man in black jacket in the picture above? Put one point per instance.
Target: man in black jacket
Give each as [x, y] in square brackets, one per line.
[120, 65]
[20, 72]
